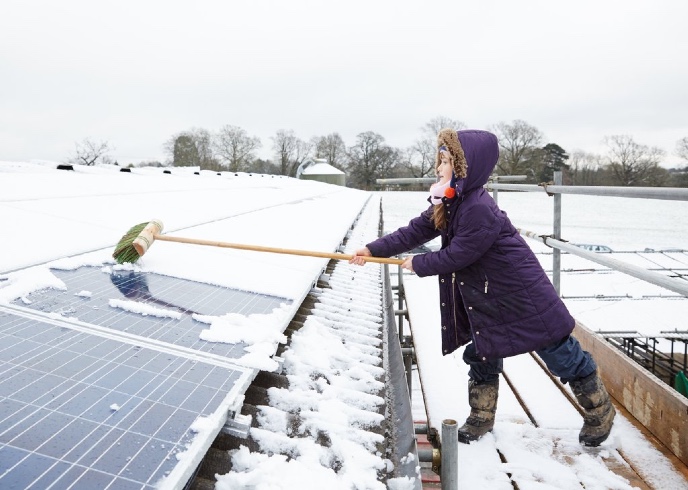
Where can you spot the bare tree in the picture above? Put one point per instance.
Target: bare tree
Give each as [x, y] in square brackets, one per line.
[90, 152]
[584, 168]
[193, 147]
[369, 159]
[331, 148]
[519, 144]
[290, 151]
[168, 147]
[432, 127]
[420, 161]
[204, 144]
[633, 164]
[682, 148]
[235, 148]
[303, 152]
[261, 166]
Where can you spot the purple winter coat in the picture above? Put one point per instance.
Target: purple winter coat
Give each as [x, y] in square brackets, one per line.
[493, 290]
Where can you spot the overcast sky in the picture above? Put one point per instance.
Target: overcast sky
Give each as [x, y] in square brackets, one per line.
[134, 73]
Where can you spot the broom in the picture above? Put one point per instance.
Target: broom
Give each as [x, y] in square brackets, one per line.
[139, 239]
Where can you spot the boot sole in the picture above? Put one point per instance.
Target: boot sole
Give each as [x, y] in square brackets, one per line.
[465, 439]
[595, 442]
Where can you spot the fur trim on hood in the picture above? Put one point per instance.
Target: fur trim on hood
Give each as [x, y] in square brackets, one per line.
[449, 138]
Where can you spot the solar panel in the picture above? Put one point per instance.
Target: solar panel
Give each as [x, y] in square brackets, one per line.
[93, 395]
[79, 410]
[91, 290]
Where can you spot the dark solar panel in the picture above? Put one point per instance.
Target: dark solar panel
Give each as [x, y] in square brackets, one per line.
[79, 410]
[90, 290]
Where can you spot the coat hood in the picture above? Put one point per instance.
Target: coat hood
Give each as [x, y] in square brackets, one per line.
[475, 154]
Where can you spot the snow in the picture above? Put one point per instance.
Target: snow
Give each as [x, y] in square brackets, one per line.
[322, 169]
[261, 332]
[548, 456]
[60, 219]
[143, 309]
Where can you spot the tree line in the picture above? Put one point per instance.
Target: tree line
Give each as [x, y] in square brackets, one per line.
[523, 151]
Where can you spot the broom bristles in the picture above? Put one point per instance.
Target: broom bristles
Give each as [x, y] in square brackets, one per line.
[125, 251]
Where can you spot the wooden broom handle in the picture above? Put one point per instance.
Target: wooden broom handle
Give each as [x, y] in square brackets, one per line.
[257, 248]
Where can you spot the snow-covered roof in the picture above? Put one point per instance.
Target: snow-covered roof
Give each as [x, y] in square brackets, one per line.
[65, 224]
[320, 168]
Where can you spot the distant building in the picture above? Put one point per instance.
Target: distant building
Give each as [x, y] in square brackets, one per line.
[318, 169]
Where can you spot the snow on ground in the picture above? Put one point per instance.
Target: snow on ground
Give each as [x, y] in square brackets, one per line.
[546, 456]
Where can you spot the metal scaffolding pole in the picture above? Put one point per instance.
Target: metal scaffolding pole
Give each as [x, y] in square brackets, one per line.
[556, 253]
[449, 471]
[678, 286]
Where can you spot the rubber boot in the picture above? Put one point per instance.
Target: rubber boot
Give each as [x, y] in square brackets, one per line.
[599, 412]
[482, 397]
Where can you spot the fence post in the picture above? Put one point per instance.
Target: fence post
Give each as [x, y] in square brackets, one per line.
[556, 253]
[449, 473]
[407, 353]
[400, 301]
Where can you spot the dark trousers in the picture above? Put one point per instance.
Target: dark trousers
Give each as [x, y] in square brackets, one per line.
[566, 359]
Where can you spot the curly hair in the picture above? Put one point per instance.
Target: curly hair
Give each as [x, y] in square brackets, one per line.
[448, 138]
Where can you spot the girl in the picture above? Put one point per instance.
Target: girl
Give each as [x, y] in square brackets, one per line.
[494, 294]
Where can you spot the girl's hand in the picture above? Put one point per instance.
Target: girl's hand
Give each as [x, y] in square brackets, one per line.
[408, 263]
[359, 256]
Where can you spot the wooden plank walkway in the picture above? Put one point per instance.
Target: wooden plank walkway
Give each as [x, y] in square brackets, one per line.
[535, 440]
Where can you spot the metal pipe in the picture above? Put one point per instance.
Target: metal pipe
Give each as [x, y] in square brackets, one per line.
[508, 178]
[432, 456]
[680, 287]
[449, 474]
[425, 455]
[406, 180]
[666, 193]
[556, 255]
[401, 298]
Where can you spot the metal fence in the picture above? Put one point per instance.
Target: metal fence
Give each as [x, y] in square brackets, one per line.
[555, 241]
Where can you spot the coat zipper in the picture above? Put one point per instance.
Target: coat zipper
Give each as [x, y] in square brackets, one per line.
[456, 323]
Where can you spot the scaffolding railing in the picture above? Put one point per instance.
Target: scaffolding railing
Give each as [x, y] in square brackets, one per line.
[642, 350]
[555, 241]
